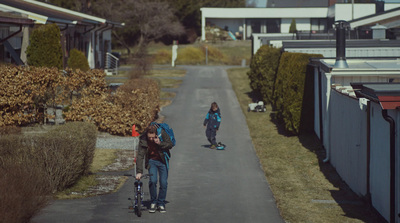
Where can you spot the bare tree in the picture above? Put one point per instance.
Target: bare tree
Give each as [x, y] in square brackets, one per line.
[153, 20]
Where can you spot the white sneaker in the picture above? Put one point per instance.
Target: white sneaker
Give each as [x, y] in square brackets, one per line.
[162, 209]
[152, 208]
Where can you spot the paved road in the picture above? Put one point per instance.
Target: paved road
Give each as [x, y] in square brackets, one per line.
[204, 185]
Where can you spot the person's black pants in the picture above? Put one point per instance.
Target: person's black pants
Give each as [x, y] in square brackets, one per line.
[211, 134]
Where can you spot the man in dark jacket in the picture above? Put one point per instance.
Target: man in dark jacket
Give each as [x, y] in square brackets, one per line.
[151, 149]
[212, 121]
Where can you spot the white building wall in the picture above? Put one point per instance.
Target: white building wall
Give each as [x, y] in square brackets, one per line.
[325, 91]
[380, 165]
[344, 138]
[389, 6]
[90, 52]
[345, 11]
[301, 24]
[348, 139]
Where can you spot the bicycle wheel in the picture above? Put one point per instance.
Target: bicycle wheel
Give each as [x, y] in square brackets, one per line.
[139, 206]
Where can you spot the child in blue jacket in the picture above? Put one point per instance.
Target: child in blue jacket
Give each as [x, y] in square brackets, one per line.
[212, 121]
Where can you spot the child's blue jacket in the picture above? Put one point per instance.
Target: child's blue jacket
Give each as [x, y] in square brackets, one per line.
[213, 119]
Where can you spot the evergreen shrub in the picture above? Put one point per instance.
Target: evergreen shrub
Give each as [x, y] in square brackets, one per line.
[262, 74]
[44, 49]
[290, 85]
[77, 60]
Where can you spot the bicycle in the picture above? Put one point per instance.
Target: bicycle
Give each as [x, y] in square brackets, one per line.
[139, 194]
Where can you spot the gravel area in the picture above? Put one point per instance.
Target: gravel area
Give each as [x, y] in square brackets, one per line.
[107, 141]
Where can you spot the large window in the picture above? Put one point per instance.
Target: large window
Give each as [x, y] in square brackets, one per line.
[273, 25]
[319, 25]
[262, 26]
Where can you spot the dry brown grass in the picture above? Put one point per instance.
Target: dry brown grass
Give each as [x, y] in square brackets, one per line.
[305, 188]
[102, 158]
[168, 73]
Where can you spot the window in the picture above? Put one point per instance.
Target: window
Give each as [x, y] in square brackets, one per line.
[319, 25]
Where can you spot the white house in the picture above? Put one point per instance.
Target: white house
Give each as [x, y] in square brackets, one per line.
[319, 18]
[87, 33]
[357, 118]
[263, 20]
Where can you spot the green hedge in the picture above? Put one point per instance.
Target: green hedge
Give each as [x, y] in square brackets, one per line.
[290, 85]
[282, 80]
[262, 74]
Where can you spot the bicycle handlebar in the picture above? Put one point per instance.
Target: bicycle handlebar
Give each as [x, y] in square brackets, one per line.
[144, 176]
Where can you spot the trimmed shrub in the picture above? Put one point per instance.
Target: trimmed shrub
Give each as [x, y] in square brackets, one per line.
[262, 74]
[24, 191]
[32, 166]
[44, 49]
[77, 60]
[22, 105]
[135, 102]
[290, 85]
[64, 153]
[292, 28]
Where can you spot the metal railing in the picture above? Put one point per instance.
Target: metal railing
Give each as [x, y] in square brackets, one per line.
[112, 63]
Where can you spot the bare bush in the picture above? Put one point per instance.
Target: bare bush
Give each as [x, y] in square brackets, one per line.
[24, 188]
[35, 165]
[66, 153]
[63, 154]
[142, 67]
[23, 192]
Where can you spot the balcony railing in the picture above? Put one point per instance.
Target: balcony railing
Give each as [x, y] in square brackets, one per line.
[112, 64]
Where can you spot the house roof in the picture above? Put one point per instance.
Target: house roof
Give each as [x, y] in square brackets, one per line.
[10, 18]
[387, 94]
[388, 67]
[389, 19]
[43, 13]
[296, 3]
[360, 43]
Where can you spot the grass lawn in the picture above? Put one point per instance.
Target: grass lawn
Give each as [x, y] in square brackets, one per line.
[306, 189]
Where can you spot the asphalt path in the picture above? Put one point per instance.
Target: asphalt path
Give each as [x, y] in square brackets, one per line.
[204, 185]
